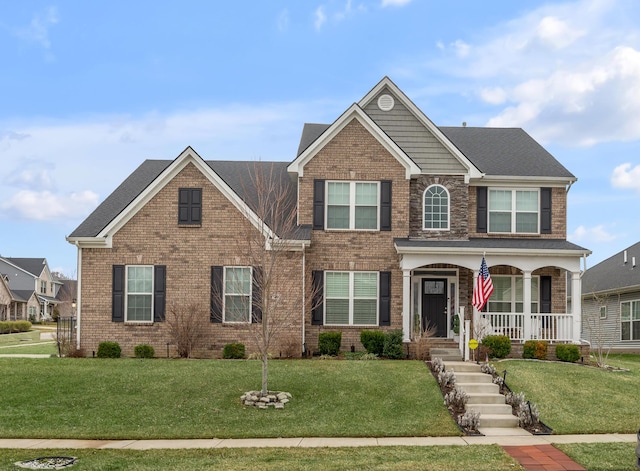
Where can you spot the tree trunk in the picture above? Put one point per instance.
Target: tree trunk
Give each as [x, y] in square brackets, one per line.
[265, 373]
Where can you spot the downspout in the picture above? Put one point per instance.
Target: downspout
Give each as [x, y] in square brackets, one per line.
[303, 300]
[78, 295]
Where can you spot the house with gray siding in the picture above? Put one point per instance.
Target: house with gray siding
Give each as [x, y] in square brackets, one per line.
[611, 302]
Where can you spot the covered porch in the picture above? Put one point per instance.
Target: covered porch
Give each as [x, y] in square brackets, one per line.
[530, 276]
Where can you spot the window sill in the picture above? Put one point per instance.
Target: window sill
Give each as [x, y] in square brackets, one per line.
[135, 323]
[190, 225]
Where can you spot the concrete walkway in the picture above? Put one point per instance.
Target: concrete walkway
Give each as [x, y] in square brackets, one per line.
[315, 442]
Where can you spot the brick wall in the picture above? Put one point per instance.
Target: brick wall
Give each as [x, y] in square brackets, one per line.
[153, 237]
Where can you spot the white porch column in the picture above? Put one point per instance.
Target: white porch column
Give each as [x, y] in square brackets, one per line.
[475, 314]
[406, 305]
[576, 305]
[526, 299]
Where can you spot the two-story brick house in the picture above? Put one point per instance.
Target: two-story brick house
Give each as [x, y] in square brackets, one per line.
[394, 216]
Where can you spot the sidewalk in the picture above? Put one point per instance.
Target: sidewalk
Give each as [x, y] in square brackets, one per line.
[315, 442]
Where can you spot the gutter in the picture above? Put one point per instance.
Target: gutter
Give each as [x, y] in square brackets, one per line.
[78, 295]
[303, 298]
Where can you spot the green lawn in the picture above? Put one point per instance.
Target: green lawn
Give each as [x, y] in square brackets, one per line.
[448, 458]
[578, 399]
[47, 347]
[159, 398]
[20, 338]
[603, 456]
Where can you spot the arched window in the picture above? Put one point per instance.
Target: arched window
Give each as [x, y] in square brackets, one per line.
[436, 208]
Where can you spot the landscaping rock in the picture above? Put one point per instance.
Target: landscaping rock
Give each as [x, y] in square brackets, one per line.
[275, 399]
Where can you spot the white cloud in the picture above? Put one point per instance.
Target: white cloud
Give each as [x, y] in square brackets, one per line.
[394, 3]
[47, 206]
[557, 33]
[626, 177]
[38, 29]
[494, 96]
[29, 174]
[320, 18]
[591, 234]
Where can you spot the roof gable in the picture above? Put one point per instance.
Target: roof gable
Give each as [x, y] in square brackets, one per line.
[31, 266]
[354, 112]
[617, 273]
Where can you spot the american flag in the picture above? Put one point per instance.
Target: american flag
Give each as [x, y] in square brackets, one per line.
[483, 288]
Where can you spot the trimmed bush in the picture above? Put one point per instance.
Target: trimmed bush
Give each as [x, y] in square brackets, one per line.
[498, 345]
[109, 350]
[535, 349]
[329, 343]
[567, 352]
[11, 327]
[393, 345]
[233, 351]
[144, 351]
[373, 341]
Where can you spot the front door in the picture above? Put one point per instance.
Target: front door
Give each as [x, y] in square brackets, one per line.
[434, 305]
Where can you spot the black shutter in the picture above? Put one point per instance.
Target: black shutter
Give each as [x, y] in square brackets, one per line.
[317, 309]
[196, 205]
[159, 290]
[481, 210]
[545, 294]
[318, 204]
[385, 205]
[545, 210]
[216, 294]
[183, 205]
[117, 290]
[256, 295]
[384, 309]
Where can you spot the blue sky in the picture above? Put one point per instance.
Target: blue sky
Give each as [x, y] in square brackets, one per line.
[91, 89]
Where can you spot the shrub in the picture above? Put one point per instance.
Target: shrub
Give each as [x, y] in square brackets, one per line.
[470, 420]
[499, 345]
[9, 327]
[109, 350]
[373, 341]
[233, 351]
[329, 343]
[567, 352]
[456, 399]
[535, 349]
[144, 351]
[22, 326]
[393, 345]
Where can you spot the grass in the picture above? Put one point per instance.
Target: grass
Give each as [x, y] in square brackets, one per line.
[138, 399]
[602, 456]
[478, 458]
[20, 338]
[47, 347]
[578, 399]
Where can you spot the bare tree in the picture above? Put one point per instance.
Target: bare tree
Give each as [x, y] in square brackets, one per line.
[186, 325]
[596, 326]
[271, 245]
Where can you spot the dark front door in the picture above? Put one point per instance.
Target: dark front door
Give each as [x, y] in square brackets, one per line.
[434, 305]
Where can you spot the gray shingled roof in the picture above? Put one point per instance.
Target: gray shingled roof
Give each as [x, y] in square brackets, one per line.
[613, 273]
[236, 174]
[31, 265]
[494, 151]
[22, 294]
[505, 151]
[489, 243]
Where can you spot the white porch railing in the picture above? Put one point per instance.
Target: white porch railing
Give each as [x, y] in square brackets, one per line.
[519, 328]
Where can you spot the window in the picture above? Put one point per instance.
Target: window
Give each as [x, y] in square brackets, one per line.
[508, 294]
[43, 287]
[436, 207]
[190, 206]
[352, 205]
[237, 294]
[630, 320]
[351, 298]
[139, 297]
[603, 312]
[513, 211]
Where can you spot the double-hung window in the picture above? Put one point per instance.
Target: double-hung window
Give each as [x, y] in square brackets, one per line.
[630, 320]
[508, 294]
[353, 205]
[237, 294]
[139, 295]
[514, 211]
[436, 207]
[351, 298]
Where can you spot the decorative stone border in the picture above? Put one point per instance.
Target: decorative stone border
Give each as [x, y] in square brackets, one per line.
[275, 399]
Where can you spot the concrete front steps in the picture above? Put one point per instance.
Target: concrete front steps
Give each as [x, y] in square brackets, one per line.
[484, 396]
[445, 349]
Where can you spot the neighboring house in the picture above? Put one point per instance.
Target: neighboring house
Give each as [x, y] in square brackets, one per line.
[32, 289]
[611, 302]
[394, 213]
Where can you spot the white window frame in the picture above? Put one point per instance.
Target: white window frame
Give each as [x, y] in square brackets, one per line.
[535, 295]
[513, 211]
[603, 312]
[424, 209]
[630, 321]
[352, 205]
[248, 295]
[351, 298]
[127, 293]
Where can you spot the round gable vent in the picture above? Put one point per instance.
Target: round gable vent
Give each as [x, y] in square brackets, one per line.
[386, 102]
